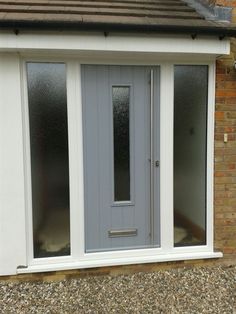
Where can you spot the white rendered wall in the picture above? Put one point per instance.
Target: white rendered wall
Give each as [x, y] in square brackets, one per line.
[12, 194]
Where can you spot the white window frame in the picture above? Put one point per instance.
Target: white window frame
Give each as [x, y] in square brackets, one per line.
[167, 251]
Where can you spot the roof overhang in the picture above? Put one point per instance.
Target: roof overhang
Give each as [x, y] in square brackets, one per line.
[113, 43]
[220, 30]
[126, 16]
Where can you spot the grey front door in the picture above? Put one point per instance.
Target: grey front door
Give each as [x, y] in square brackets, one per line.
[121, 154]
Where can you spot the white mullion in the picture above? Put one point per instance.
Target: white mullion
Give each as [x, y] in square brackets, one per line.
[27, 163]
[210, 157]
[166, 159]
[75, 159]
[80, 191]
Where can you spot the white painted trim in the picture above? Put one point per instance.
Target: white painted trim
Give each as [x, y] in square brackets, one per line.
[27, 164]
[135, 254]
[26, 156]
[166, 156]
[80, 162]
[75, 136]
[210, 156]
[121, 261]
[113, 43]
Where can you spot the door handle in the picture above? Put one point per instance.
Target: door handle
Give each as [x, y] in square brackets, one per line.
[156, 163]
[152, 157]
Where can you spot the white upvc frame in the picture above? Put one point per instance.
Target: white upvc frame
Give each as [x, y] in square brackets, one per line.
[167, 251]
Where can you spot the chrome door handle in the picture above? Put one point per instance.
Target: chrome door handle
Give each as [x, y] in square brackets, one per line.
[152, 157]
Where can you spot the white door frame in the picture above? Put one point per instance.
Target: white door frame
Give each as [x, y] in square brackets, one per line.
[78, 258]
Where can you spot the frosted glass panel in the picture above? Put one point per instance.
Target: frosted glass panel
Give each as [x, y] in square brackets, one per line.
[121, 104]
[190, 151]
[49, 158]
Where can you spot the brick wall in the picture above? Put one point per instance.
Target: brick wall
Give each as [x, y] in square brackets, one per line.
[225, 155]
[227, 3]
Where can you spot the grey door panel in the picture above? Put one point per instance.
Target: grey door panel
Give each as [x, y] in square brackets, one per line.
[128, 220]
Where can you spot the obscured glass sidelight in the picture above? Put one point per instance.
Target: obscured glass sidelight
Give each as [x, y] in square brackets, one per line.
[121, 129]
[47, 100]
[190, 154]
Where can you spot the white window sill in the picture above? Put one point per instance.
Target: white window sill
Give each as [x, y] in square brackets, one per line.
[118, 261]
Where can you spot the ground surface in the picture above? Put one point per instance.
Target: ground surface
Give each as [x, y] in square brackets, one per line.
[198, 290]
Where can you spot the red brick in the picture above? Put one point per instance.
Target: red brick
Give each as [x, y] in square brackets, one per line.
[225, 93]
[219, 115]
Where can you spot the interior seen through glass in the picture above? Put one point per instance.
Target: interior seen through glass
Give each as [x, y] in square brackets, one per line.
[121, 104]
[49, 158]
[190, 149]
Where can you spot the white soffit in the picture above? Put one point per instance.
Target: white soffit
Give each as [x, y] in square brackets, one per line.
[114, 43]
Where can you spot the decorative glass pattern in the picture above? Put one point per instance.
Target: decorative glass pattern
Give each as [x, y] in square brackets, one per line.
[121, 129]
[49, 158]
[190, 154]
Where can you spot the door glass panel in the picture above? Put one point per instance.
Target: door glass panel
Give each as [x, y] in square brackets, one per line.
[49, 158]
[190, 151]
[121, 125]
